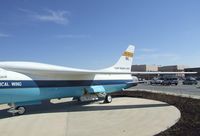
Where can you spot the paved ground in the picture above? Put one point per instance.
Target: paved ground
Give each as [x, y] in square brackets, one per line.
[123, 117]
[184, 90]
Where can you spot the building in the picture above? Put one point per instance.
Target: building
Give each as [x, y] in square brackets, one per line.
[155, 68]
[193, 70]
[173, 68]
[149, 68]
[145, 68]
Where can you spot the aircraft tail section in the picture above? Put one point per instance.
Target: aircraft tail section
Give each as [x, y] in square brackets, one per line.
[125, 62]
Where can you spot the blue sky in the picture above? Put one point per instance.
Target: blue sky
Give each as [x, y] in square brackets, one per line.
[93, 33]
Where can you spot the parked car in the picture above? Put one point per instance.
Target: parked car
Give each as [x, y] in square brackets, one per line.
[198, 78]
[190, 81]
[170, 81]
[156, 81]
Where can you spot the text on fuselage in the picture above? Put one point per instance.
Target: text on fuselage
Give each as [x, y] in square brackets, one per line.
[7, 84]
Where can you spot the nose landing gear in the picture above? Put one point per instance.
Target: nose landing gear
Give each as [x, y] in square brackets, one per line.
[20, 110]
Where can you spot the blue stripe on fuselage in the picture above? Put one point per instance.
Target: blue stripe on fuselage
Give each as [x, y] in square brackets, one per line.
[23, 95]
[58, 83]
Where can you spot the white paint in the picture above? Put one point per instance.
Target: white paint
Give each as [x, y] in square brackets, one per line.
[39, 71]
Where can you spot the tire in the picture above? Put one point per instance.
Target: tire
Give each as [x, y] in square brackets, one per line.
[21, 109]
[108, 99]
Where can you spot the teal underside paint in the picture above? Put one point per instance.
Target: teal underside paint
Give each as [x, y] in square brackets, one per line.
[25, 96]
[27, 103]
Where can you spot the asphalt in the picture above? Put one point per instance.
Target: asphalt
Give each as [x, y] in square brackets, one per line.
[123, 117]
[180, 90]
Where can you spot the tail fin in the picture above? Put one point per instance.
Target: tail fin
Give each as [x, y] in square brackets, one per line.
[125, 62]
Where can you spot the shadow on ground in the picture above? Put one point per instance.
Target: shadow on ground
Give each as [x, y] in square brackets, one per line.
[75, 106]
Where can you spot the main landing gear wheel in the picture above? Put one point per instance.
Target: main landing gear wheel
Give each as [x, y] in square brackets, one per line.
[21, 110]
[108, 99]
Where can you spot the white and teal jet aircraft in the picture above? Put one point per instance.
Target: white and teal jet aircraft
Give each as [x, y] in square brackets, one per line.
[28, 83]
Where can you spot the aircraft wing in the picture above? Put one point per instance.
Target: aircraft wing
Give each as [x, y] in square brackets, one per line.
[46, 69]
[122, 66]
[33, 68]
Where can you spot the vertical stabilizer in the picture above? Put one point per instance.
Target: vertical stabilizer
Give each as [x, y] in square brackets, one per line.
[125, 62]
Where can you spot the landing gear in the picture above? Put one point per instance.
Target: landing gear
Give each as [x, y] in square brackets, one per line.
[90, 97]
[108, 99]
[20, 110]
[105, 98]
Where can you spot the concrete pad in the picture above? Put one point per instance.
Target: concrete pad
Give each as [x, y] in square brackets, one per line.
[123, 117]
